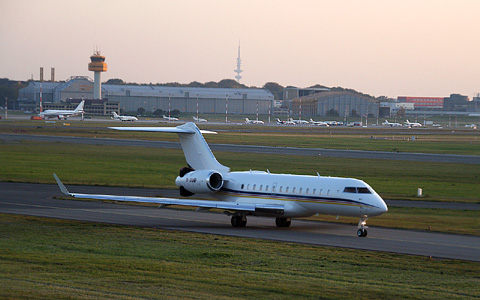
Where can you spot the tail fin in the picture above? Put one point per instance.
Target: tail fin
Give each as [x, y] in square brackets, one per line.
[196, 150]
[80, 106]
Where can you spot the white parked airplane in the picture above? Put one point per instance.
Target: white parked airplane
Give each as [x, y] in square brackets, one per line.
[386, 123]
[280, 122]
[123, 118]
[199, 120]
[170, 118]
[63, 114]
[248, 121]
[256, 193]
[408, 124]
[298, 122]
[318, 123]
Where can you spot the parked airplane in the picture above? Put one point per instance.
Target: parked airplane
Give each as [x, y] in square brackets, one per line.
[386, 123]
[199, 120]
[408, 124]
[280, 122]
[298, 122]
[63, 114]
[123, 118]
[256, 193]
[170, 118]
[248, 121]
[318, 123]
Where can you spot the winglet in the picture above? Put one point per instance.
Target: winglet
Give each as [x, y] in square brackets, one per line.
[60, 185]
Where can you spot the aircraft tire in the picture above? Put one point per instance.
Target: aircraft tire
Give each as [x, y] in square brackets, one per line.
[283, 222]
[362, 233]
[238, 221]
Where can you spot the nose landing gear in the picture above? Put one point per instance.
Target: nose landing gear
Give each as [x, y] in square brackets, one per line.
[362, 225]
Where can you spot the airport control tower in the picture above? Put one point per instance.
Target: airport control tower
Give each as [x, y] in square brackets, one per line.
[97, 65]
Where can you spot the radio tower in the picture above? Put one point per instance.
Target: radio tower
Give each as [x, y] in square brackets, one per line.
[239, 63]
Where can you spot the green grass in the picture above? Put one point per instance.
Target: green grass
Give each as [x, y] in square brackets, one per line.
[56, 259]
[158, 168]
[465, 142]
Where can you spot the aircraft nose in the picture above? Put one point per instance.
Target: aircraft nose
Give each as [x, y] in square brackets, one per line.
[382, 206]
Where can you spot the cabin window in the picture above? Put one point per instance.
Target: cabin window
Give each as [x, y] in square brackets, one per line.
[314, 191]
[254, 186]
[293, 190]
[248, 186]
[300, 191]
[306, 191]
[328, 192]
[363, 190]
[243, 186]
[350, 190]
[281, 188]
[320, 193]
[286, 190]
[266, 188]
[260, 188]
[273, 189]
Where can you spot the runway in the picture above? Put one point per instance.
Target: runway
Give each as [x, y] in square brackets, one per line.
[421, 157]
[36, 200]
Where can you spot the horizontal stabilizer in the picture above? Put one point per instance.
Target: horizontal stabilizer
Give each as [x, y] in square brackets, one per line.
[162, 129]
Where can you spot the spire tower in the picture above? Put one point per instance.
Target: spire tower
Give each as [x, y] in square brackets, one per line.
[239, 63]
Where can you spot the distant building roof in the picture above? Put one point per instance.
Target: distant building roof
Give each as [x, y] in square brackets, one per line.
[193, 92]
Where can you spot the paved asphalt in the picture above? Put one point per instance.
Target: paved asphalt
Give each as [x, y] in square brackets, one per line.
[37, 200]
[423, 157]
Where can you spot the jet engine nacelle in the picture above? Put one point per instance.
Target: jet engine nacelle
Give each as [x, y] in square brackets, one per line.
[202, 181]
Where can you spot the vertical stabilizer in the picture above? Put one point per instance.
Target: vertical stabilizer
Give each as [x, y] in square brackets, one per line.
[196, 150]
[80, 106]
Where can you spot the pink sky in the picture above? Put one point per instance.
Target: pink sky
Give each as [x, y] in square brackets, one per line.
[393, 48]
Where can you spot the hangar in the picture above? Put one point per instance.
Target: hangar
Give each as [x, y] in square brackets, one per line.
[152, 97]
[335, 103]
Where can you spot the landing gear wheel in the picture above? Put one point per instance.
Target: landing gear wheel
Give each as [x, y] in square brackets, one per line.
[362, 225]
[239, 221]
[362, 233]
[283, 222]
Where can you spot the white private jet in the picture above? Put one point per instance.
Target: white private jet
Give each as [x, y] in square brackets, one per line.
[298, 122]
[258, 122]
[386, 123]
[318, 123]
[63, 114]
[256, 193]
[199, 120]
[170, 118]
[280, 122]
[123, 118]
[410, 125]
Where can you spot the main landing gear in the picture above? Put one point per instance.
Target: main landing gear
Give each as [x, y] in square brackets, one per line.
[283, 222]
[239, 220]
[362, 225]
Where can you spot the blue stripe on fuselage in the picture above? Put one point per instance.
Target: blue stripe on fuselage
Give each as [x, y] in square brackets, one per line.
[300, 198]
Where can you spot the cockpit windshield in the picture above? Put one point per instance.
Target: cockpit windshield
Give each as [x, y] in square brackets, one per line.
[360, 190]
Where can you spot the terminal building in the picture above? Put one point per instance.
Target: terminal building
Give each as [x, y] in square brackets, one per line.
[129, 98]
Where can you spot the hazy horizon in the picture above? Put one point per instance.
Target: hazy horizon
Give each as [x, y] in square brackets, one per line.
[391, 48]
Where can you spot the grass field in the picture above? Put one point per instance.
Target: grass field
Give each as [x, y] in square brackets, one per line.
[57, 259]
[460, 141]
[149, 167]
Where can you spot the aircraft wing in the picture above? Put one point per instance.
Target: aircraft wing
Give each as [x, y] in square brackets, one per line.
[170, 201]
